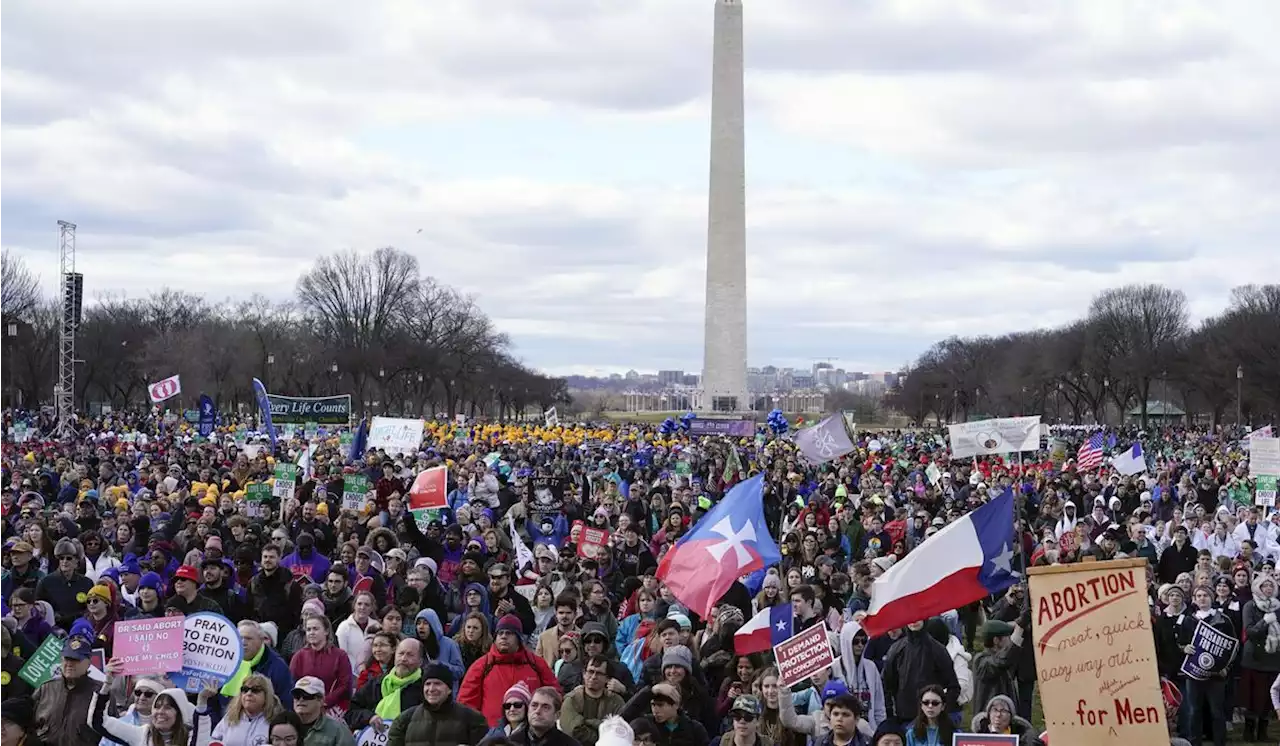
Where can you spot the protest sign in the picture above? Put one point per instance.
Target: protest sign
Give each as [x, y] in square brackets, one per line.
[328, 410]
[1095, 654]
[40, 666]
[286, 480]
[1265, 491]
[592, 542]
[1212, 652]
[211, 651]
[355, 492]
[1000, 435]
[736, 428]
[148, 646]
[1264, 456]
[257, 496]
[396, 435]
[984, 739]
[371, 736]
[802, 655]
[430, 489]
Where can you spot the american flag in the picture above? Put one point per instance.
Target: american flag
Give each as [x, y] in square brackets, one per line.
[1090, 454]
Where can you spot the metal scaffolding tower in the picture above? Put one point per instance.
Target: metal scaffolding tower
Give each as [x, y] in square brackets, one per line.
[72, 285]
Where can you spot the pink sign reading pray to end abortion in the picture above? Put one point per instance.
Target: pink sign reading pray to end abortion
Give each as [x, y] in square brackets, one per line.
[149, 645]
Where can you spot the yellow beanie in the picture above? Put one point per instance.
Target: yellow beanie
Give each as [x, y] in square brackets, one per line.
[101, 592]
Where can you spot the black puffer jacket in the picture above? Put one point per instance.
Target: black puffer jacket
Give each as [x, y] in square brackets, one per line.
[450, 724]
[913, 662]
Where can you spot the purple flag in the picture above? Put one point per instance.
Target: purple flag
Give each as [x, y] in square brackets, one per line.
[825, 441]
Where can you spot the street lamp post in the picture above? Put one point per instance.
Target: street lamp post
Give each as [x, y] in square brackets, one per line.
[12, 332]
[1239, 387]
[1106, 392]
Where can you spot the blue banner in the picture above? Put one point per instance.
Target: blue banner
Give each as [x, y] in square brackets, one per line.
[208, 415]
[264, 406]
[1211, 653]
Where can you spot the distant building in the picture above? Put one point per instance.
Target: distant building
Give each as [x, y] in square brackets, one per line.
[670, 377]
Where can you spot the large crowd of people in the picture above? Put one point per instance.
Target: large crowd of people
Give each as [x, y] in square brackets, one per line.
[491, 621]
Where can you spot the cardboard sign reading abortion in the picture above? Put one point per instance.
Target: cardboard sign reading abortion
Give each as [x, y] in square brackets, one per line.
[803, 654]
[1095, 654]
[211, 651]
[150, 645]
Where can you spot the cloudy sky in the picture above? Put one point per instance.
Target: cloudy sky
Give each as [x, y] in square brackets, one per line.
[916, 169]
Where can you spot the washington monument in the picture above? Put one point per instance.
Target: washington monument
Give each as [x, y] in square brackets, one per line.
[724, 368]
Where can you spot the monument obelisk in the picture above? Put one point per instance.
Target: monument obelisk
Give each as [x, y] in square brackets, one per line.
[724, 367]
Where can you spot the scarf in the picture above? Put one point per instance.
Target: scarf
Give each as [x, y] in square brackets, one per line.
[232, 687]
[1270, 605]
[389, 706]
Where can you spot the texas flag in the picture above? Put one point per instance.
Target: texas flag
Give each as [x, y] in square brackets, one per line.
[767, 628]
[730, 541]
[968, 560]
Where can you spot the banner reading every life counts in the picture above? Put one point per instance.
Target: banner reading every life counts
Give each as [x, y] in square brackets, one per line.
[1001, 435]
[297, 410]
[1095, 654]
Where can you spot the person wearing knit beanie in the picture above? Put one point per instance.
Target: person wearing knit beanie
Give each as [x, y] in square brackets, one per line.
[518, 692]
[438, 672]
[510, 623]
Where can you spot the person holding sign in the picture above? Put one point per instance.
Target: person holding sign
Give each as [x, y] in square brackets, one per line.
[173, 719]
[1206, 699]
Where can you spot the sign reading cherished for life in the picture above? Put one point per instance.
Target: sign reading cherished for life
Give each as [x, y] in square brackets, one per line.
[802, 655]
[149, 645]
[1095, 654]
[211, 651]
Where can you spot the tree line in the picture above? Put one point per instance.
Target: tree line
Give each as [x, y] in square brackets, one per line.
[369, 325]
[1136, 346]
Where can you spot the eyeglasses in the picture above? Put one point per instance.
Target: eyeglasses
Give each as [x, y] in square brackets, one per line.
[1000, 710]
[497, 577]
[306, 696]
[567, 651]
[67, 558]
[513, 705]
[743, 717]
[931, 702]
[252, 690]
[284, 740]
[143, 694]
[94, 599]
[593, 672]
[17, 605]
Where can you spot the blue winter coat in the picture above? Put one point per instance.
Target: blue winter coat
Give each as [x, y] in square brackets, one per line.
[450, 653]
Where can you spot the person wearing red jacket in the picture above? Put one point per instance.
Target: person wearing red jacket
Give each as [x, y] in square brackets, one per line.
[509, 661]
[326, 663]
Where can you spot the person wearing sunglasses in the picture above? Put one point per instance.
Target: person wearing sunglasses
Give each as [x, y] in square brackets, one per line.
[745, 713]
[318, 728]
[139, 712]
[515, 711]
[250, 713]
[932, 726]
[66, 588]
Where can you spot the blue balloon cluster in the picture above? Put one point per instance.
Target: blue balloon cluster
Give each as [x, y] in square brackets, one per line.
[686, 421]
[778, 422]
[668, 426]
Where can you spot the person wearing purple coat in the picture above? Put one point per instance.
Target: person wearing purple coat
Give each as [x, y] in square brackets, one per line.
[305, 561]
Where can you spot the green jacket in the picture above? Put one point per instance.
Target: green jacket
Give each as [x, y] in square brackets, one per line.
[450, 724]
[581, 715]
[328, 732]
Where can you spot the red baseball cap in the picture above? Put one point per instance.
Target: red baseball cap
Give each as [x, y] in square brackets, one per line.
[187, 572]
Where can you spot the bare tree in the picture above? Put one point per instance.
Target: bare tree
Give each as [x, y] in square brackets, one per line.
[1140, 325]
[19, 287]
